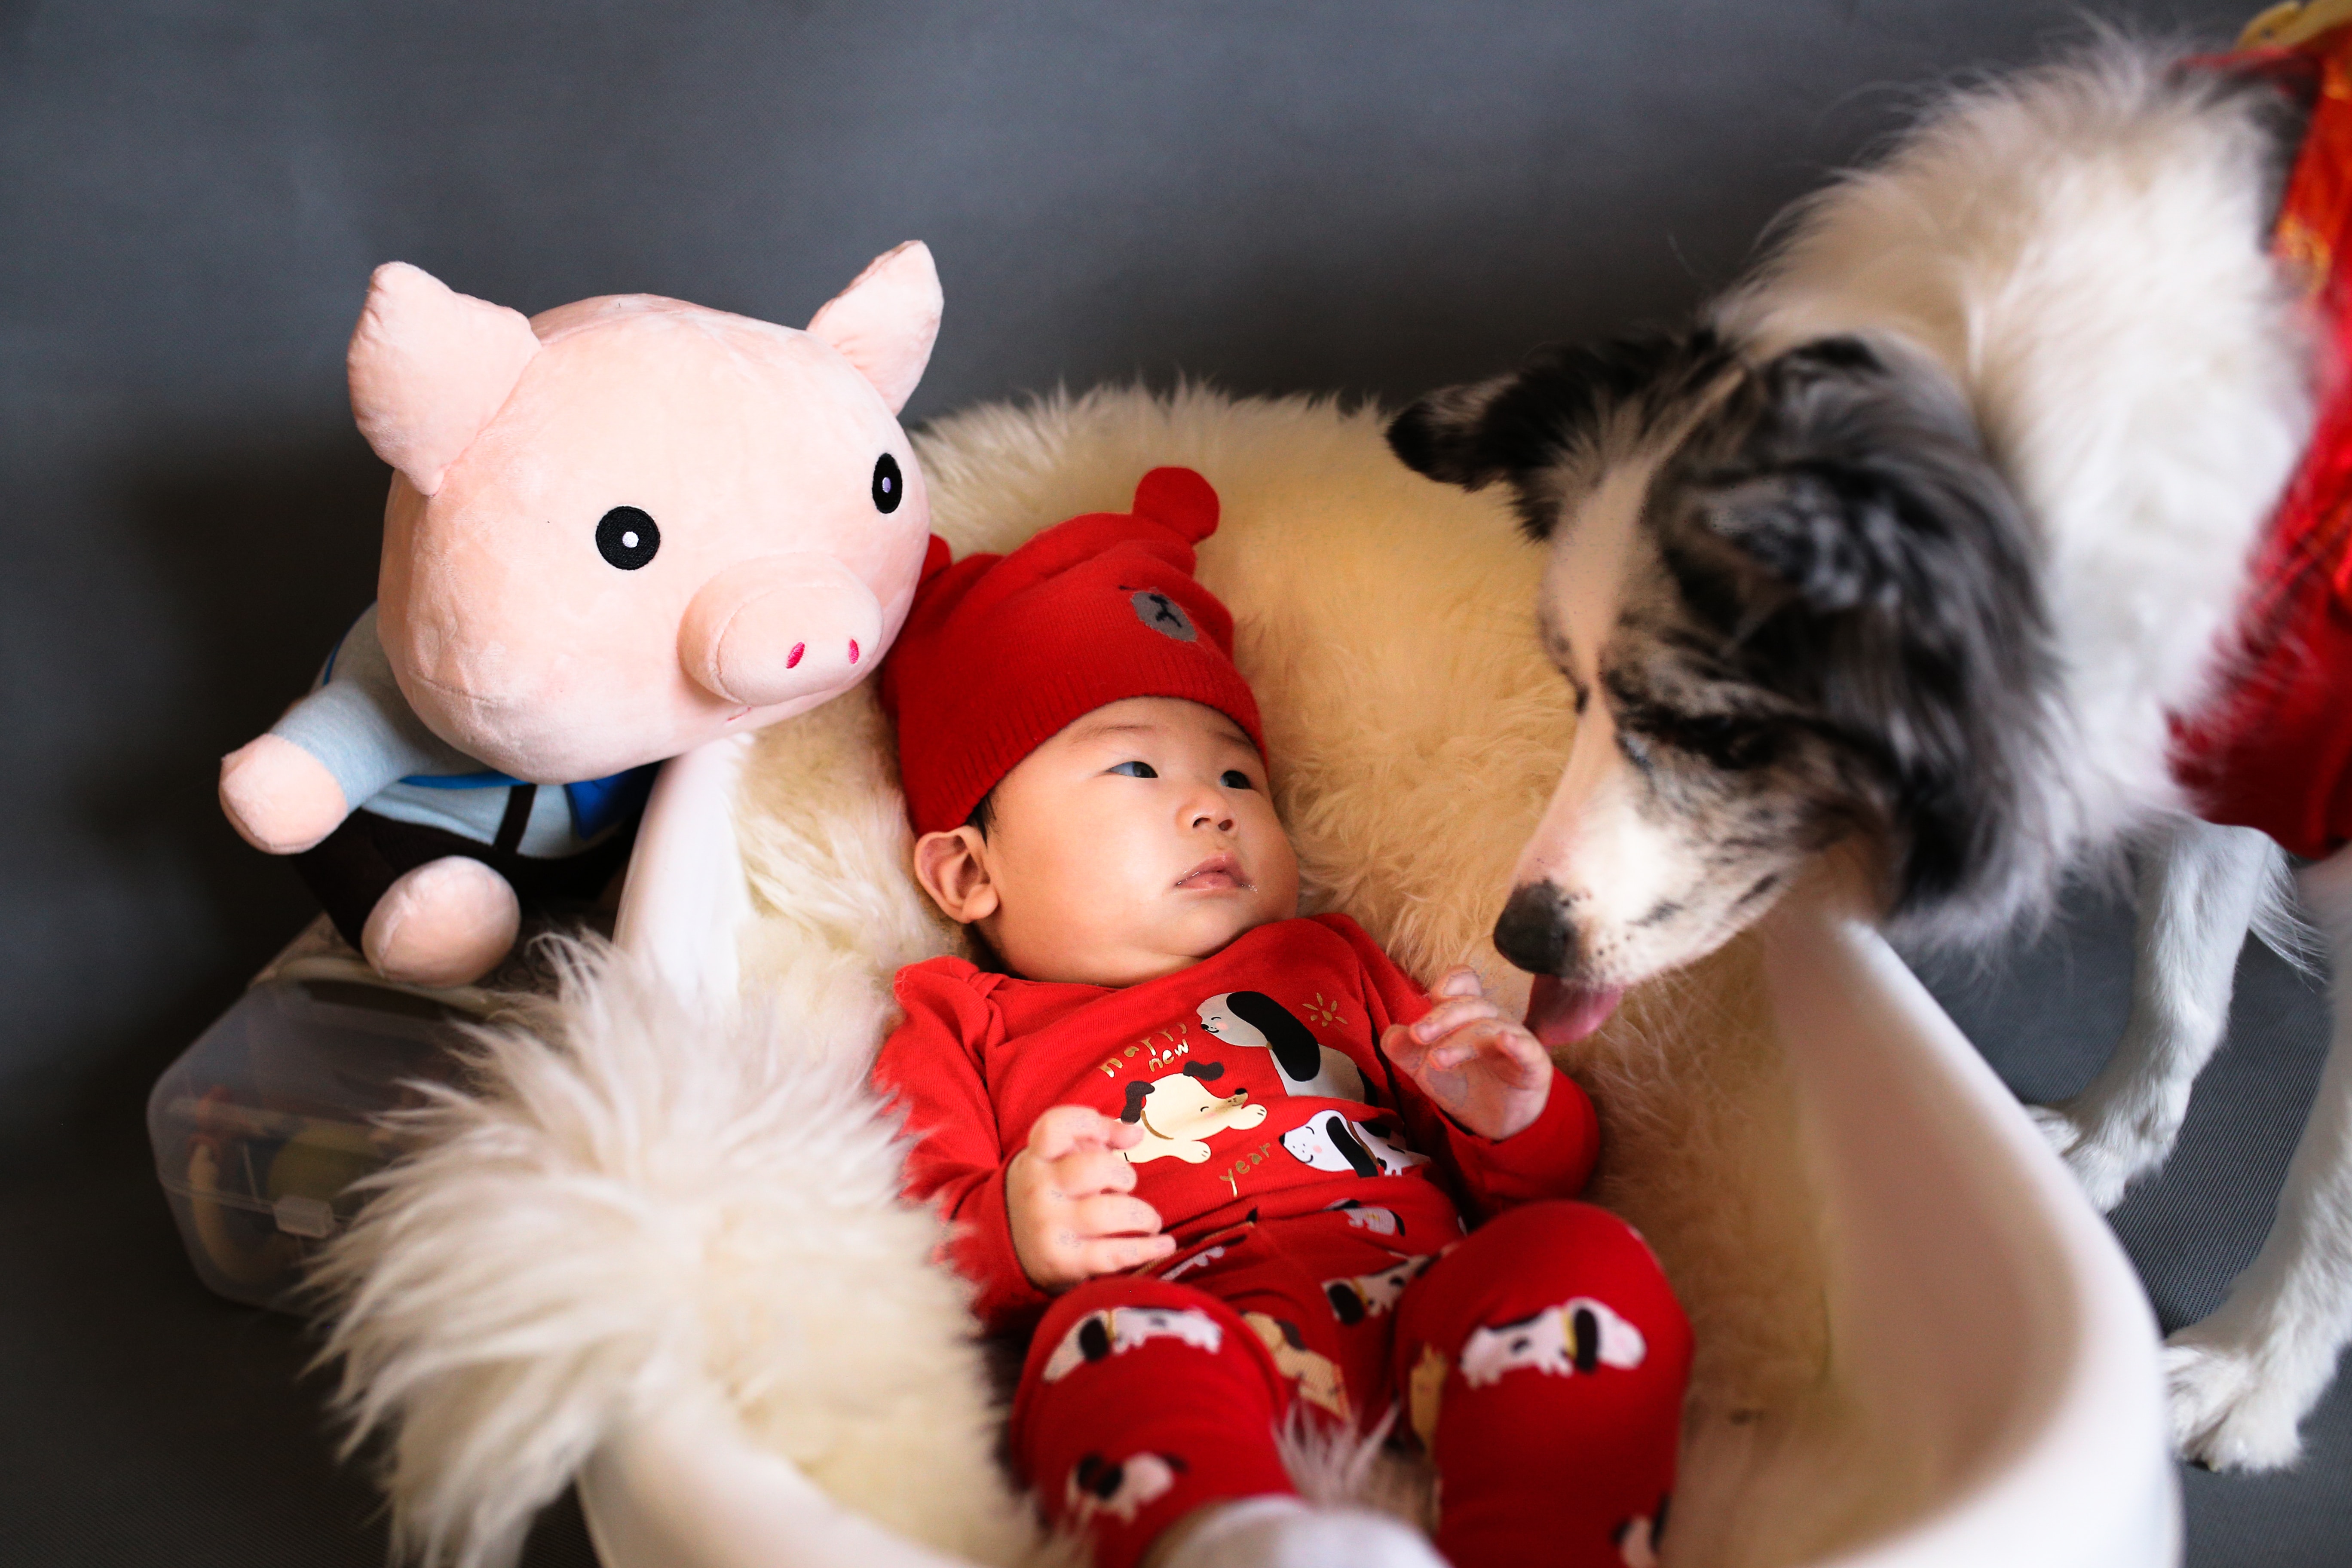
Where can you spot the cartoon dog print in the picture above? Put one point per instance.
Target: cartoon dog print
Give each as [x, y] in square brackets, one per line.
[1100, 1335]
[1637, 1538]
[1308, 1067]
[1097, 1484]
[1424, 1389]
[1369, 1295]
[1329, 1141]
[1579, 1335]
[1318, 1377]
[1364, 1216]
[1201, 1259]
[1178, 1112]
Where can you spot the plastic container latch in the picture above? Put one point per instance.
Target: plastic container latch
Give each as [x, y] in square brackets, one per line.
[312, 1218]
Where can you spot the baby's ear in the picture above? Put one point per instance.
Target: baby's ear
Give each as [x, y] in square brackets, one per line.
[954, 869]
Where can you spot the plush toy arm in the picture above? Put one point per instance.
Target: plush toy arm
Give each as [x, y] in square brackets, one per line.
[279, 798]
[331, 753]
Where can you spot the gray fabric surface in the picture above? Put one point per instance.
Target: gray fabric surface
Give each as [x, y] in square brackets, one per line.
[1370, 195]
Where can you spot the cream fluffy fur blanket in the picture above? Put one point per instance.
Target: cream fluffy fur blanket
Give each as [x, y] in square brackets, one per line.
[631, 1196]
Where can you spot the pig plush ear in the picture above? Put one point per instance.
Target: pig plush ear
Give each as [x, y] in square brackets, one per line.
[886, 323]
[429, 367]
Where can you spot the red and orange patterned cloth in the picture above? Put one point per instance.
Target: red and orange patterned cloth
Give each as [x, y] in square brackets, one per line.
[2274, 750]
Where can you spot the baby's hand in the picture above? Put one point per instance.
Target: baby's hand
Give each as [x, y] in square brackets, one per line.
[1067, 1197]
[1484, 1071]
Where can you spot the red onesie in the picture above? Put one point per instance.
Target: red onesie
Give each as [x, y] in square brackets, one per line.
[1319, 1202]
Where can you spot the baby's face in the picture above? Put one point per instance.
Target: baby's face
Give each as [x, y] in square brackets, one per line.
[1140, 839]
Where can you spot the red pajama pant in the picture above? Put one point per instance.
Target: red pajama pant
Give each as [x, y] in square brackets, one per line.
[1541, 1359]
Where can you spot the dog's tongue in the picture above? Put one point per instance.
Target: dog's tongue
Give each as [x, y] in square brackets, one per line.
[1559, 1013]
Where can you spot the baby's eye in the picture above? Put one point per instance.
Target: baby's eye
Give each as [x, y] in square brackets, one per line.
[1236, 779]
[1137, 770]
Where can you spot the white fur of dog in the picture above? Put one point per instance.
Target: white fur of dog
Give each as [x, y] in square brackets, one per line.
[1920, 542]
[1385, 625]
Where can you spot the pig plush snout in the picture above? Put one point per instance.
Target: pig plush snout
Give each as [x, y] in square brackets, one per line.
[779, 627]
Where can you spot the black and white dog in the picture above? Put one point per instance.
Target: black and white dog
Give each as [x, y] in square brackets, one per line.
[1920, 542]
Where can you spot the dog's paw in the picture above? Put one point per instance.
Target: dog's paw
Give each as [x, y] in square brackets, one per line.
[2228, 1412]
[2104, 1164]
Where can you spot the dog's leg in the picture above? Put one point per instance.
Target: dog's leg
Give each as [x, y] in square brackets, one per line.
[2198, 889]
[2243, 1379]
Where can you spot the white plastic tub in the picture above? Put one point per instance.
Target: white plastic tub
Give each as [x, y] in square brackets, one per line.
[1996, 1357]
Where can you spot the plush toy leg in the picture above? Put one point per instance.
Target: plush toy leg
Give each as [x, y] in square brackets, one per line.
[447, 922]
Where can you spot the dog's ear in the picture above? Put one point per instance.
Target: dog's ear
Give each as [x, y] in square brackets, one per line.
[1558, 405]
[1296, 1050]
[1851, 476]
[1854, 475]
[1445, 437]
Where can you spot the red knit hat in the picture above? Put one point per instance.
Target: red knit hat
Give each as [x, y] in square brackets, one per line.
[1000, 652]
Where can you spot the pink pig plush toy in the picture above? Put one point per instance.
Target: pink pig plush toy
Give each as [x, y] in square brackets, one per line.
[617, 531]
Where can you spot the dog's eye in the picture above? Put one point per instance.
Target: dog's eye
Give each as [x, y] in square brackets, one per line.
[1136, 771]
[626, 538]
[1733, 745]
[889, 484]
[1234, 778]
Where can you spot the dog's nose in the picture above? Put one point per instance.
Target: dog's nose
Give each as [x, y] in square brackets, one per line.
[1532, 931]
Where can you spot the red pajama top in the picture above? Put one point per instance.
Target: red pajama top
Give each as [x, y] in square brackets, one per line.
[1256, 1075]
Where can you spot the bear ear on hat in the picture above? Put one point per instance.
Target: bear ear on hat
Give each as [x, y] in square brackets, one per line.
[1179, 501]
[936, 558]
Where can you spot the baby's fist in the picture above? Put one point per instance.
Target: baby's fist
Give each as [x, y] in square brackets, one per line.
[1068, 1196]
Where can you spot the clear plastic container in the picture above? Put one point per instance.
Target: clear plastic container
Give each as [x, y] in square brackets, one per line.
[261, 1127]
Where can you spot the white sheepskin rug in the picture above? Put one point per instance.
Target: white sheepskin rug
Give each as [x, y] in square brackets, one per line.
[635, 1198]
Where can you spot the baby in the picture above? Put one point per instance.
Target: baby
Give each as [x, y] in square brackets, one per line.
[1231, 1154]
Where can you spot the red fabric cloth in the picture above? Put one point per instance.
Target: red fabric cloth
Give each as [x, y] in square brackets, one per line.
[1000, 652]
[2273, 751]
[980, 1056]
[1543, 1361]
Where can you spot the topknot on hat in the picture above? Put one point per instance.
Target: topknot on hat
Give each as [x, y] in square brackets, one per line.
[1001, 652]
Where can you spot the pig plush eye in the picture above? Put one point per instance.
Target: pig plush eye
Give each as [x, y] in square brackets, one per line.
[626, 538]
[889, 484]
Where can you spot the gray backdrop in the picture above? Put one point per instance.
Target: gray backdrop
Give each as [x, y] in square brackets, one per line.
[1362, 195]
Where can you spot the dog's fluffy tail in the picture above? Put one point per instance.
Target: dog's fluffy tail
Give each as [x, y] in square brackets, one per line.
[2279, 919]
[633, 1197]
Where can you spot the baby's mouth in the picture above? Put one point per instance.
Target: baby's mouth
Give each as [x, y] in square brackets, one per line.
[1216, 871]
